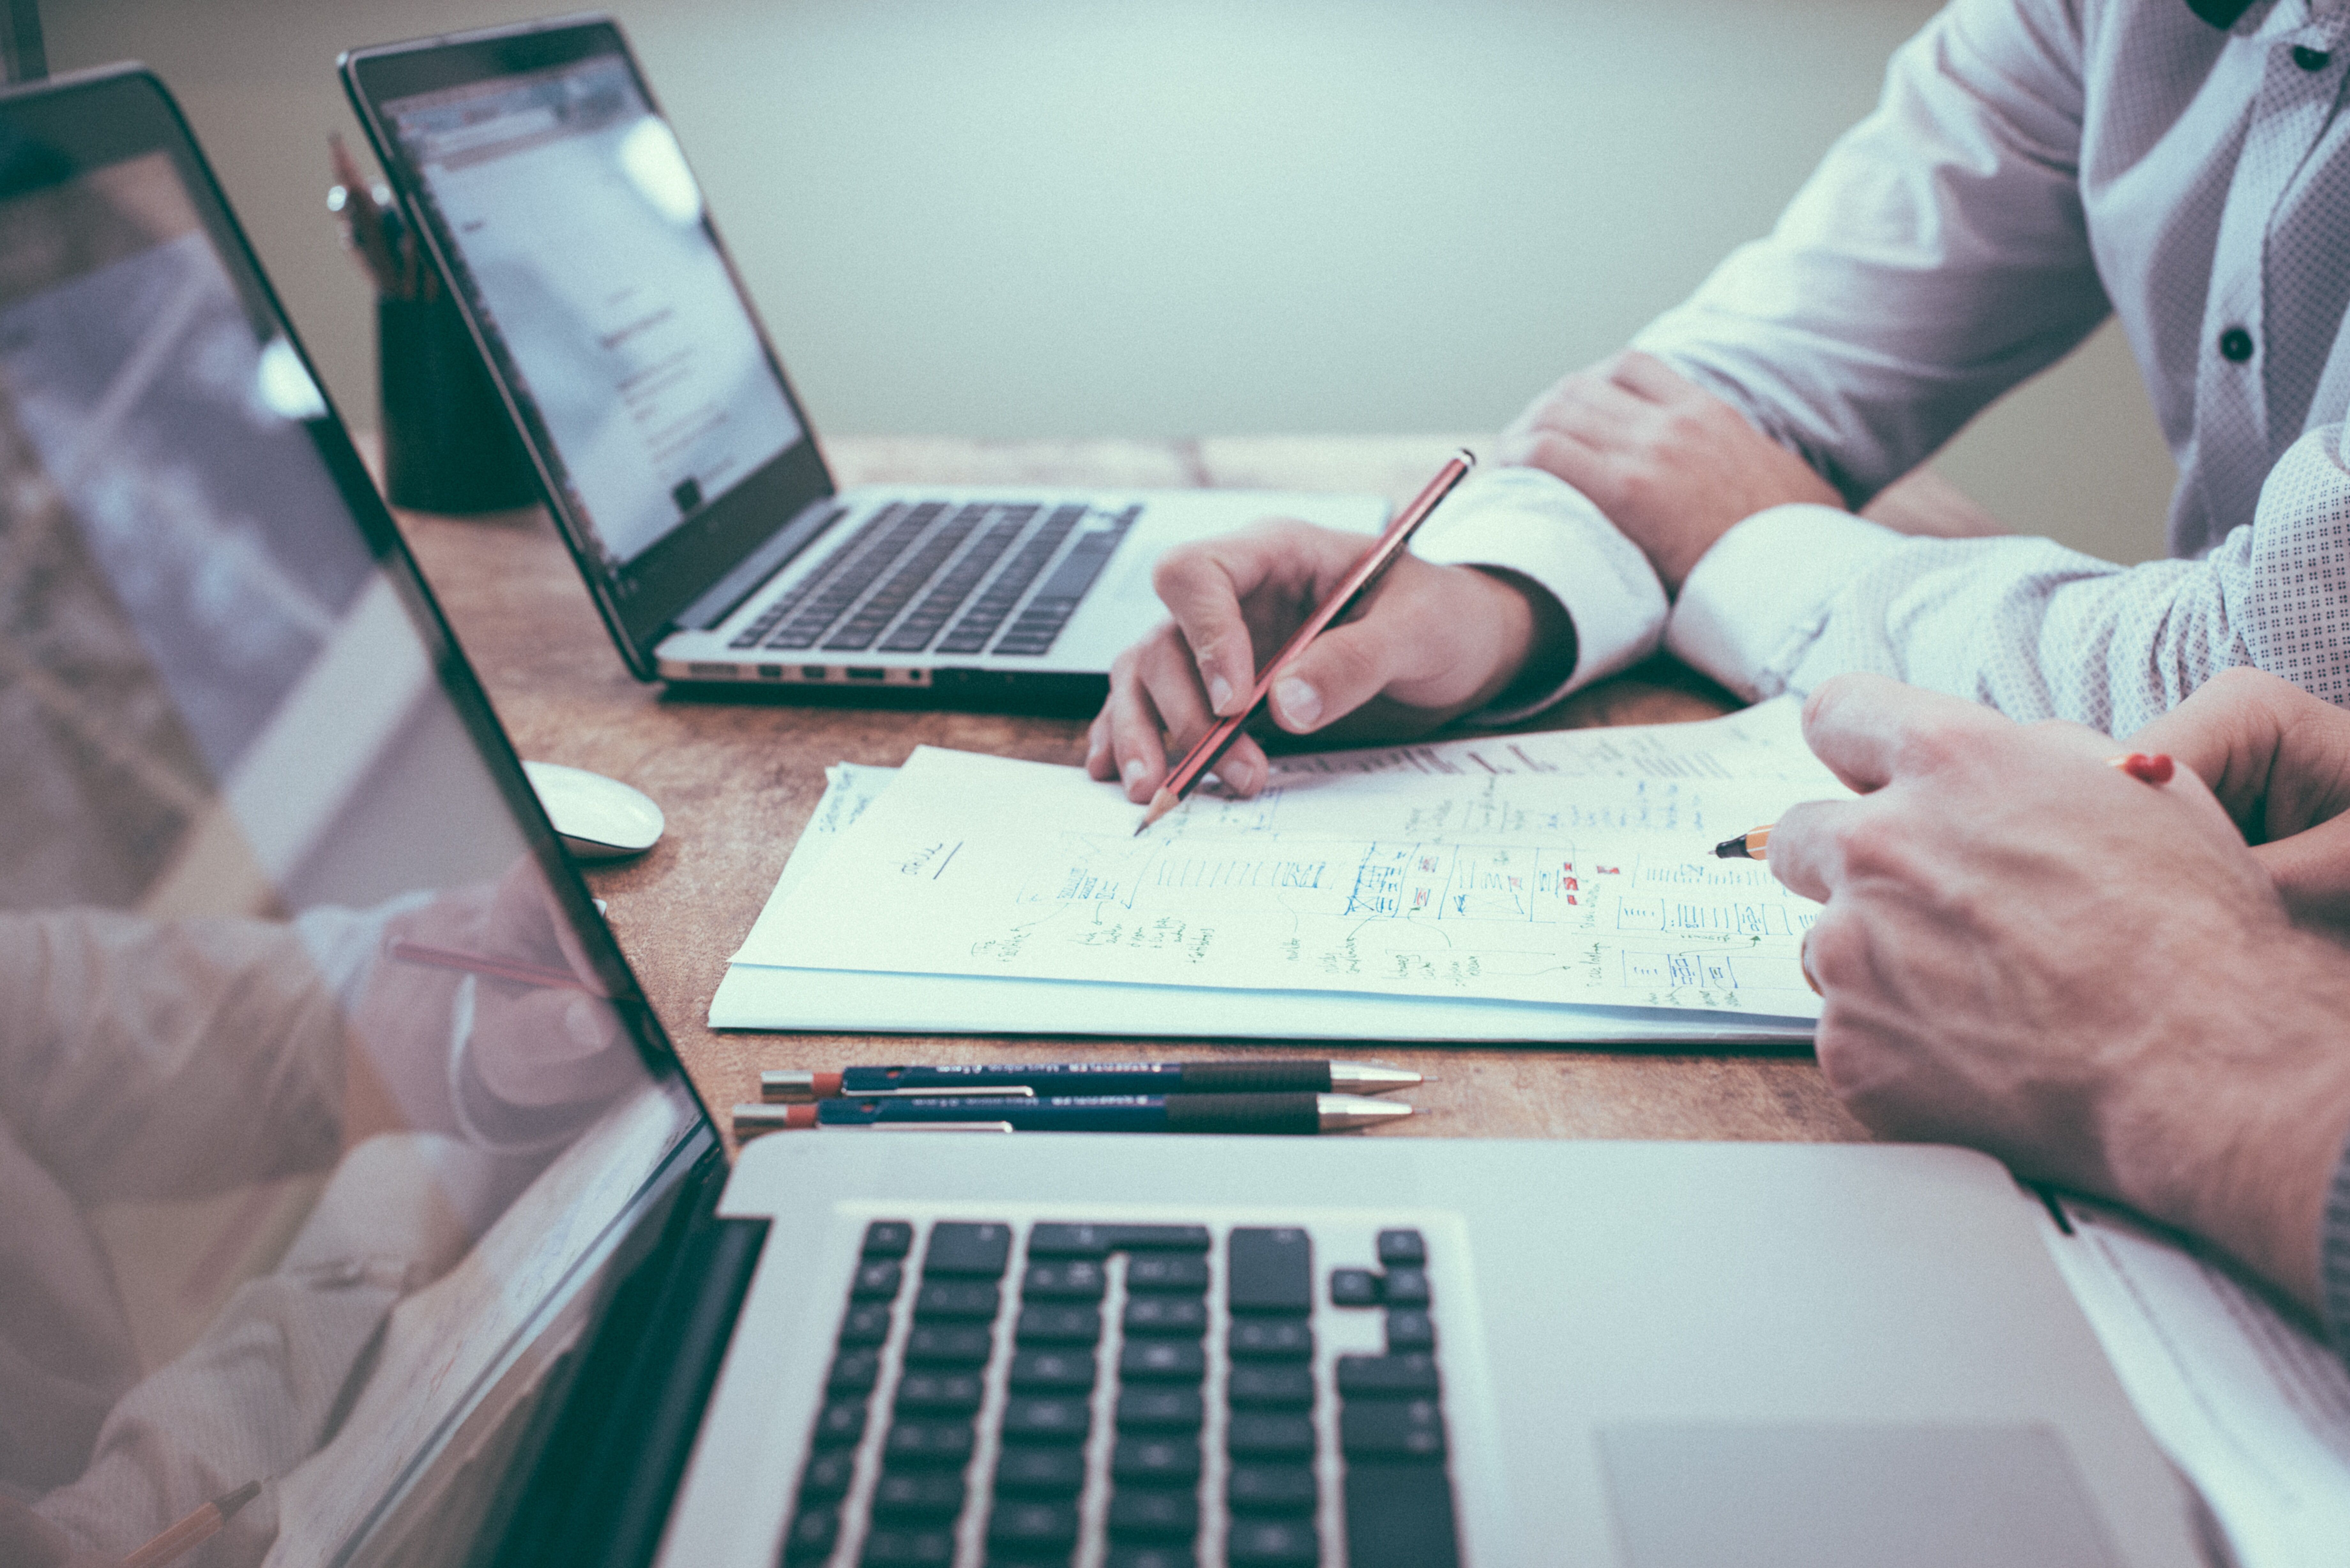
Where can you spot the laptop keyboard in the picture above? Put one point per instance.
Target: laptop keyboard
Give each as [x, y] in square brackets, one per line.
[915, 570]
[1130, 1396]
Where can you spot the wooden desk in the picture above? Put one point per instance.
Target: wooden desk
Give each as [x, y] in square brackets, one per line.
[738, 782]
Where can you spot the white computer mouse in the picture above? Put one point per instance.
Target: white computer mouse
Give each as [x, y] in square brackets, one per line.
[599, 818]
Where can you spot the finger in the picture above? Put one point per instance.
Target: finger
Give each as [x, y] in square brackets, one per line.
[2277, 757]
[1342, 669]
[1807, 845]
[1136, 751]
[1647, 376]
[1870, 730]
[1244, 767]
[2312, 873]
[1099, 765]
[1203, 586]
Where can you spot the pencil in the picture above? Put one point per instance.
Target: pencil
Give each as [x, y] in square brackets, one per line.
[1745, 847]
[515, 970]
[193, 1531]
[1358, 585]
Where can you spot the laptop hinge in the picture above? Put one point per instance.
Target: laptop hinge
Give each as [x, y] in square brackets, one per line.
[601, 1490]
[727, 594]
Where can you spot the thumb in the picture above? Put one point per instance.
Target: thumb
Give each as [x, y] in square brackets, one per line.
[1342, 669]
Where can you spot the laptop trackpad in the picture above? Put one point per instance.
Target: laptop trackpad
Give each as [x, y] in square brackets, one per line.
[1845, 1496]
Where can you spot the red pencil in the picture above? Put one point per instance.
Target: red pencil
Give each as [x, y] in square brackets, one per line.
[1358, 585]
[495, 968]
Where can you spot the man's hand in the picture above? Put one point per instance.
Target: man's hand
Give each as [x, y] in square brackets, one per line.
[2279, 760]
[1434, 642]
[1672, 465]
[2088, 976]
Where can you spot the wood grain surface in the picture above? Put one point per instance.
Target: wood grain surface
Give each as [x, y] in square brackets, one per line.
[738, 780]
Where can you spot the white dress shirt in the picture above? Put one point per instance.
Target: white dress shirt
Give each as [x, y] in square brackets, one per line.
[2033, 165]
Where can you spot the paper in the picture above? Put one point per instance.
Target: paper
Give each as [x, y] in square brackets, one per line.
[1562, 869]
[2246, 1402]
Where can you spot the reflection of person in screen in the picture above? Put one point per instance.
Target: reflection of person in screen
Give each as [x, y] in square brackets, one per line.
[176, 1060]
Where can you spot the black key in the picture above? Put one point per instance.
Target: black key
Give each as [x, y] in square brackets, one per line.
[867, 1323]
[1021, 1522]
[940, 1393]
[1399, 1516]
[979, 1251]
[949, 1344]
[1271, 1488]
[1046, 1418]
[1159, 1409]
[1070, 1240]
[1186, 1316]
[1155, 1461]
[1076, 1280]
[876, 1280]
[1391, 1430]
[1405, 1287]
[1272, 1543]
[812, 1533]
[1153, 1513]
[1412, 1330]
[853, 1372]
[904, 1495]
[888, 1239]
[1388, 1375]
[1041, 1472]
[956, 1299]
[1269, 1270]
[1162, 1555]
[909, 1549]
[1272, 1339]
[1058, 1324]
[1271, 1387]
[924, 1443]
[1161, 1361]
[1175, 1273]
[1160, 1238]
[1402, 1248]
[1270, 1435]
[839, 1424]
[1354, 1288]
[1052, 1371]
[828, 1476]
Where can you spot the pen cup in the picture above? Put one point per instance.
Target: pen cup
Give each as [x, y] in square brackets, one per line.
[448, 443]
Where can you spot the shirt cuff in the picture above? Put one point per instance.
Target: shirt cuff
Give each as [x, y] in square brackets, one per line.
[2334, 1257]
[1759, 597]
[1534, 523]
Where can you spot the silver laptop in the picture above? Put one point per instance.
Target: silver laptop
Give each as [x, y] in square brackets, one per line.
[682, 470]
[354, 1208]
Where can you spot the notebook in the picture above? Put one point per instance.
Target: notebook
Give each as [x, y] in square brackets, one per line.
[675, 457]
[358, 1211]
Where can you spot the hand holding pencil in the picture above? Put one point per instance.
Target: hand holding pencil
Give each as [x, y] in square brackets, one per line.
[1434, 642]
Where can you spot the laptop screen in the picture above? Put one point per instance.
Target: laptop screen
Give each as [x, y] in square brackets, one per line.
[323, 1093]
[581, 235]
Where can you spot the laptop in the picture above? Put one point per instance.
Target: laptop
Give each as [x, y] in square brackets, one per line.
[355, 1210]
[679, 466]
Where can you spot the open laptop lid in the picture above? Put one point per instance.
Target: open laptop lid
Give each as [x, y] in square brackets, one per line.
[326, 1103]
[556, 203]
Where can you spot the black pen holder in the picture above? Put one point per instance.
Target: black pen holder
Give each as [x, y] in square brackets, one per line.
[447, 443]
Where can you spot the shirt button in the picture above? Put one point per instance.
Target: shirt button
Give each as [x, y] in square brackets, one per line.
[2235, 346]
[2311, 60]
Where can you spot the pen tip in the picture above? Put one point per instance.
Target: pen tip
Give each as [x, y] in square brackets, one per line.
[1160, 804]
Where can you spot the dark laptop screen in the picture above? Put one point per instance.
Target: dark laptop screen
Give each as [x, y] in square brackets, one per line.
[321, 1089]
[581, 235]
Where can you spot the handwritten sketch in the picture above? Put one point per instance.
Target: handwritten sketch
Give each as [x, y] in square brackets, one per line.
[1569, 868]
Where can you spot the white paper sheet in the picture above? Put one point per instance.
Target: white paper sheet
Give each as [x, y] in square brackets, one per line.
[2246, 1401]
[1561, 868]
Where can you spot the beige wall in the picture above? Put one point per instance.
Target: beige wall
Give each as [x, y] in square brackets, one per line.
[1161, 217]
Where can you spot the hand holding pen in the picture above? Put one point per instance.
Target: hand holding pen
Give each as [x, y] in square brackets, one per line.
[1434, 642]
[374, 230]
